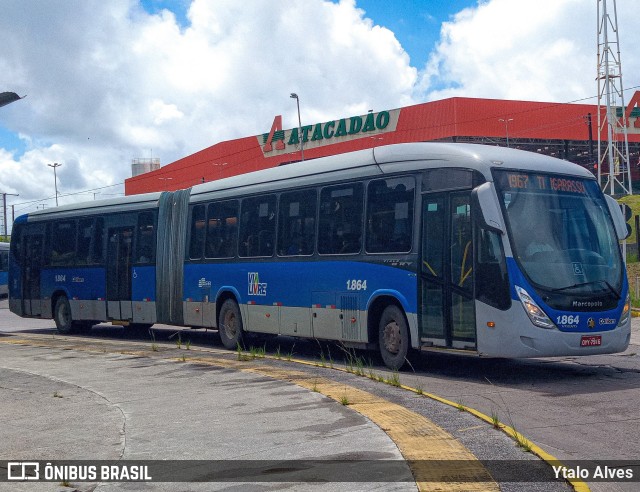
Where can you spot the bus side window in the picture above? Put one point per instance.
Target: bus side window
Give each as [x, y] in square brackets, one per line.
[258, 226]
[222, 230]
[63, 243]
[97, 245]
[340, 224]
[492, 281]
[196, 245]
[297, 223]
[85, 233]
[390, 215]
[145, 240]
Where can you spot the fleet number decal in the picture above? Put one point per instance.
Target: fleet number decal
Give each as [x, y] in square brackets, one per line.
[356, 284]
[568, 319]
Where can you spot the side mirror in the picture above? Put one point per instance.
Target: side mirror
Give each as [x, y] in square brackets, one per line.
[623, 231]
[487, 209]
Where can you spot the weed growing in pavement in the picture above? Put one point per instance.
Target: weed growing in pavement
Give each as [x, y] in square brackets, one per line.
[394, 379]
[521, 441]
[290, 354]
[495, 421]
[343, 399]
[154, 345]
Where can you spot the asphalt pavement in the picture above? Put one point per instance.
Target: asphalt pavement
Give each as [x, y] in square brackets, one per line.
[235, 421]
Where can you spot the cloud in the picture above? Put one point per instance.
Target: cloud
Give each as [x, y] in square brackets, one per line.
[108, 82]
[543, 50]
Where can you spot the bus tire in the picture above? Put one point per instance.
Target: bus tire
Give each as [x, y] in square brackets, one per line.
[393, 337]
[63, 318]
[230, 325]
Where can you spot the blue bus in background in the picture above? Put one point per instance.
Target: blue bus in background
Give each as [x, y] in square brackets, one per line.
[4, 268]
[425, 246]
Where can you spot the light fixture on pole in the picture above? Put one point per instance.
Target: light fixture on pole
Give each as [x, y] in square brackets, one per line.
[506, 127]
[295, 96]
[55, 178]
[9, 97]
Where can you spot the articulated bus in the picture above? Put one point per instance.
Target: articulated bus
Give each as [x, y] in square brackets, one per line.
[424, 246]
[4, 268]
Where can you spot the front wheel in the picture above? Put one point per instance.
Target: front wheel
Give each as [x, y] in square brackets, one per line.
[230, 324]
[393, 337]
[63, 318]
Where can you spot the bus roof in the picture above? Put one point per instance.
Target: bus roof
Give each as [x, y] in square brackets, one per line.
[375, 161]
[389, 159]
[146, 200]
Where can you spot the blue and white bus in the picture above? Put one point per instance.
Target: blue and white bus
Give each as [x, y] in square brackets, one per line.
[424, 246]
[4, 268]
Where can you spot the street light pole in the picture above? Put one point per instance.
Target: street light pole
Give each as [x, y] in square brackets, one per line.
[55, 178]
[506, 127]
[295, 96]
[4, 208]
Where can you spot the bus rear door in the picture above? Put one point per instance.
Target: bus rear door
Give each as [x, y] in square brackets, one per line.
[32, 252]
[119, 267]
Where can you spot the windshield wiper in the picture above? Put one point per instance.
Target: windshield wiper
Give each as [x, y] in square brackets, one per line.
[574, 286]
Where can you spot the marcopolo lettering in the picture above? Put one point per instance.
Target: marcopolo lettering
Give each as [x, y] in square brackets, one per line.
[588, 304]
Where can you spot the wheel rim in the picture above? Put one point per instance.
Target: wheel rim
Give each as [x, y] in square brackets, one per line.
[392, 337]
[230, 324]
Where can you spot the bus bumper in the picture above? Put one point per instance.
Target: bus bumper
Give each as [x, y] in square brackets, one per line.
[514, 336]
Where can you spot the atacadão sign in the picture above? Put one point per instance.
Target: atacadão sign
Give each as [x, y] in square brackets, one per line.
[279, 141]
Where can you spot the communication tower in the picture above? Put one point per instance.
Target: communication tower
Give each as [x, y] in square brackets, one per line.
[613, 155]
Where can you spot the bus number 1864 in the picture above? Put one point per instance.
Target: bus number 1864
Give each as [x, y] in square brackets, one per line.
[356, 284]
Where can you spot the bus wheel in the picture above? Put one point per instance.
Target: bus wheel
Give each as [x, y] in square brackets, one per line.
[230, 324]
[62, 316]
[393, 337]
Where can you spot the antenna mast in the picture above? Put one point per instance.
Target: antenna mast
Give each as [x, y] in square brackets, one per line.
[611, 107]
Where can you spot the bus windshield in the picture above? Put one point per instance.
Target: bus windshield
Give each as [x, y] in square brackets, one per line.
[562, 236]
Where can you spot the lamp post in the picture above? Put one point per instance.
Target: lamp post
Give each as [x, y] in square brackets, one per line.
[55, 178]
[295, 96]
[506, 127]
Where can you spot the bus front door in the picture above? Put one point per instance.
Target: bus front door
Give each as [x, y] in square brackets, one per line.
[119, 263]
[447, 315]
[32, 253]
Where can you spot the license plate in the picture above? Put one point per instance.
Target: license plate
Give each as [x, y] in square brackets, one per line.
[591, 341]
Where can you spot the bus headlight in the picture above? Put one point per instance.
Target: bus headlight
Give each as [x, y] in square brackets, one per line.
[626, 311]
[536, 315]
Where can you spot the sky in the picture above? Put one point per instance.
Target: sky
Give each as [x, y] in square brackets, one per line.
[107, 82]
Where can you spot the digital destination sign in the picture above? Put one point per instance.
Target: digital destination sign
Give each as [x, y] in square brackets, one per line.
[514, 181]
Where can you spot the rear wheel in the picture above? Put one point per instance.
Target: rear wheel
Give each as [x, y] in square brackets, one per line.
[63, 318]
[230, 324]
[393, 337]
